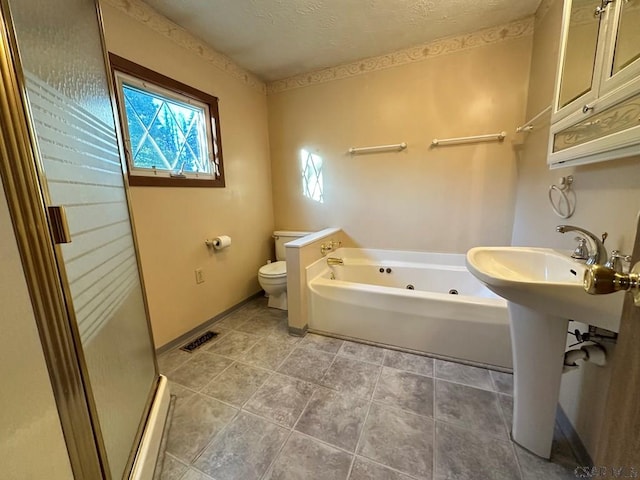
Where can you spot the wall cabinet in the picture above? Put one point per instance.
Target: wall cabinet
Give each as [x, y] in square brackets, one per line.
[596, 109]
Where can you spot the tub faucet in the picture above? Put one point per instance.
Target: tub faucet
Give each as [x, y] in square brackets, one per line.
[329, 246]
[334, 261]
[597, 250]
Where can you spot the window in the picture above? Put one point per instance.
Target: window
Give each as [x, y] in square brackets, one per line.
[171, 131]
[311, 175]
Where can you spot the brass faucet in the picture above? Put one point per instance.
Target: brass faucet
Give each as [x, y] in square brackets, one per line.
[334, 261]
[329, 246]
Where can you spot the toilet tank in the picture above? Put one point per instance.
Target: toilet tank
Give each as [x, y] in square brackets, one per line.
[281, 237]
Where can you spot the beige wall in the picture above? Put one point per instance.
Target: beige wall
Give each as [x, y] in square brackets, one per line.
[31, 443]
[608, 199]
[173, 223]
[446, 199]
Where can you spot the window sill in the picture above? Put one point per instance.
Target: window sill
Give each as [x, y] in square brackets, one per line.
[144, 181]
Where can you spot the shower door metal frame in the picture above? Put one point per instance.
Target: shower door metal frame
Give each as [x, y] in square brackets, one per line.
[21, 172]
[27, 207]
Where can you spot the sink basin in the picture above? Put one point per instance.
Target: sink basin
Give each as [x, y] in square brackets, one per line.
[543, 289]
[546, 280]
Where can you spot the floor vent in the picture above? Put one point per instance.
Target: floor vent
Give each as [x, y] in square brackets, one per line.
[198, 342]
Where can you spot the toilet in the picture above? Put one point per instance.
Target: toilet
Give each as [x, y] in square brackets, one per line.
[273, 276]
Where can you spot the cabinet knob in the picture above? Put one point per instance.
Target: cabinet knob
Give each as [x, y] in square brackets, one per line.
[587, 109]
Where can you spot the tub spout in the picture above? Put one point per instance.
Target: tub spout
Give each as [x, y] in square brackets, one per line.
[334, 261]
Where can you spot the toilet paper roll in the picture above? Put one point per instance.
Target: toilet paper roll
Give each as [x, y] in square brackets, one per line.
[223, 241]
[596, 354]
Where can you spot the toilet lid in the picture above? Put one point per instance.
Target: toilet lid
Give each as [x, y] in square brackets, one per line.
[274, 269]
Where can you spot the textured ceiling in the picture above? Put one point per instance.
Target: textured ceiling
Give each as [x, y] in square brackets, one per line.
[277, 39]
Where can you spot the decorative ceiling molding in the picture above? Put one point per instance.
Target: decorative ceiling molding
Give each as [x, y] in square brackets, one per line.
[517, 29]
[144, 14]
[150, 18]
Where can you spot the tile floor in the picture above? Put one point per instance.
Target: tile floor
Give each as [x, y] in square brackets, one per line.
[256, 403]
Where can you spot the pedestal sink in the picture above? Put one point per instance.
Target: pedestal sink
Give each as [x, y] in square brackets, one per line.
[543, 289]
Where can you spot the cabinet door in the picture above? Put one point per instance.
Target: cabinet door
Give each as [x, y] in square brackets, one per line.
[579, 68]
[622, 57]
[612, 132]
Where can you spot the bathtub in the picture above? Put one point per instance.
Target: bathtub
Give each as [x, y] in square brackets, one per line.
[425, 302]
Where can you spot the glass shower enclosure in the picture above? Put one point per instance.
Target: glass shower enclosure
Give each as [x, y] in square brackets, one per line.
[59, 62]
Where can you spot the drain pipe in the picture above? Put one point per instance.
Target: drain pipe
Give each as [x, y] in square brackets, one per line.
[595, 354]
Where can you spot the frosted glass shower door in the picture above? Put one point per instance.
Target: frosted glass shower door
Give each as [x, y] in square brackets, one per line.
[69, 101]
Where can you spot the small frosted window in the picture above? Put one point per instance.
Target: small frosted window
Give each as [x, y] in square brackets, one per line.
[311, 175]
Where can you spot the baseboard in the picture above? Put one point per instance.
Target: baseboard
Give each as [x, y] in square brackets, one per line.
[566, 427]
[298, 332]
[194, 332]
[144, 464]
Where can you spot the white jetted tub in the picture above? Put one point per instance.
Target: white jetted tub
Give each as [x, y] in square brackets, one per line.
[427, 302]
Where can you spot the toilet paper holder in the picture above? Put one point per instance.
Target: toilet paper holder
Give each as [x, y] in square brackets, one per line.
[218, 243]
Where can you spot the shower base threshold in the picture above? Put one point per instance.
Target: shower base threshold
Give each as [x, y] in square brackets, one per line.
[147, 455]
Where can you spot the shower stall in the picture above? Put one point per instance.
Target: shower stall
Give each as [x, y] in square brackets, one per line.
[67, 194]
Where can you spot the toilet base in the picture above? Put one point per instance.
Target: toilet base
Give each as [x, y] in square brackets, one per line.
[278, 301]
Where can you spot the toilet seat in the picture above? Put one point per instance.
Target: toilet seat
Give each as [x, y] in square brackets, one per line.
[273, 270]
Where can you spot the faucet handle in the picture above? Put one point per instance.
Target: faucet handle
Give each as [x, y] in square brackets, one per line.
[624, 257]
[616, 259]
[604, 236]
[581, 251]
[326, 247]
